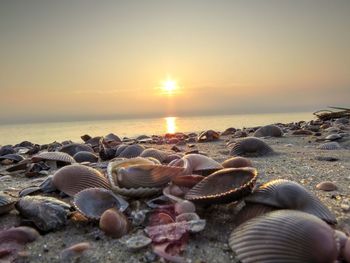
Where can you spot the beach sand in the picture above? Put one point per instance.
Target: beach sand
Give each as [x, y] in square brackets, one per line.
[295, 159]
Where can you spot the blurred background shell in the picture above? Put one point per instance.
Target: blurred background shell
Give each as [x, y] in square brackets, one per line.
[251, 146]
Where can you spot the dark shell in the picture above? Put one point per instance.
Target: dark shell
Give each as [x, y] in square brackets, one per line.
[237, 162]
[111, 137]
[7, 203]
[226, 185]
[208, 136]
[285, 194]
[6, 149]
[284, 236]
[132, 151]
[251, 210]
[114, 223]
[53, 156]
[155, 153]
[326, 186]
[251, 146]
[85, 156]
[74, 178]
[329, 146]
[302, 132]
[73, 148]
[94, 142]
[12, 157]
[47, 213]
[22, 165]
[120, 148]
[20, 235]
[92, 202]
[268, 130]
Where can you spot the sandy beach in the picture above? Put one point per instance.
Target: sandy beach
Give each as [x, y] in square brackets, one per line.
[296, 158]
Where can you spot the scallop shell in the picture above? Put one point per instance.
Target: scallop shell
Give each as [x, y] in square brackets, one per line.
[284, 236]
[237, 162]
[155, 153]
[197, 163]
[73, 148]
[326, 186]
[53, 156]
[7, 203]
[329, 146]
[226, 185]
[251, 210]
[93, 202]
[114, 223]
[251, 146]
[208, 136]
[73, 178]
[85, 156]
[187, 180]
[131, 151]
[285, 194]
[268, 130]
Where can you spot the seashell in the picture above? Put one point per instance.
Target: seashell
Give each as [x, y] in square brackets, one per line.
[6, 149]
[285, 194]
[251, 210]
[155, 153]
[137, 242]
[326, 186]
[12, 157]
[74, 250]
[184, 207]
[333, 137]
[73, 178]
[268, 130]
[208, 136]
[93, 202]
[120, 148]
[111, 137]
[285, 236]
[29, 191]
[73, 148]
[229, 131]
[187, 180]
[20, 235]
[20, 166]
[174, 193]
[160, 202]
[329, 146]
[53, 156]
[94, 142]
[7, 203]
[251, 146]
[237, 162]
[47, 213]
[187, 217]
[114, 223]
[85, 156]
[197, 163]
[131, 151]
[302, 132]
[226, 185]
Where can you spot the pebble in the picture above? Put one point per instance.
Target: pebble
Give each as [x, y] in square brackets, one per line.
[345, 207]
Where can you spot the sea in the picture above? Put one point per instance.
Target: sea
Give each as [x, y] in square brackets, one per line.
[43, 133]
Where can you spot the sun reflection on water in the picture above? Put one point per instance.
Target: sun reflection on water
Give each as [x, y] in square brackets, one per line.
[170, 124]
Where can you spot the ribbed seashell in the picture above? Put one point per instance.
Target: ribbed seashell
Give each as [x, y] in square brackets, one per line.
[7, 203]
[285, 236]
[197, 163]
[187, 180]
[226, 185]
[251, 210]
[326, 186]
[333, 137]
[329, 146]
[285, 194]
[73, 148]
[12, 157]
[208, 136]
[85, 156]
[53, 156]
[251, 146]
[132, 151]
[268, 130]
[237, 162]
[93, 202]
[114, 223]
[155, 153]
[73, 178]
[20, 235]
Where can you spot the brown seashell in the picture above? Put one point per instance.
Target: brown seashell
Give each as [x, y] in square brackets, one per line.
[268, 130]
[285, 194]
[285, 236]
[92, 202]
[73, 178]
[85, 156]
[329, 146]
[131, 151]
[114, 223]
[73, 148]
[20, 235]
[155, 153]
[226, 185]
[7, 203]
[197, 163]
[326, 186]
[53, 156]
[187, 180]
[208, 136]
[237, 162]
[75, 250]
[251, 210]
[251, 146]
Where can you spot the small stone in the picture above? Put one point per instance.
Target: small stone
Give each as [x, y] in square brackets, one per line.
[326, 186]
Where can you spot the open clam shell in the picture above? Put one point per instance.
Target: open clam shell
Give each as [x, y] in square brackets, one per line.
[285, 236]
[226, 185]
[53, 156]
[73, 178]
[251, 146]
[268, 130]
[93, 202]
[285, 194]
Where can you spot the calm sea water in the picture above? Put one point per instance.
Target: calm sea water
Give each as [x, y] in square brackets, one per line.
[59, 131]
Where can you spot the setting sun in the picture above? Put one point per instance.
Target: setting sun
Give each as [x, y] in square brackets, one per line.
[169, 86]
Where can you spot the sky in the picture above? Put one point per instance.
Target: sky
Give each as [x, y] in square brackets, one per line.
[78, 60]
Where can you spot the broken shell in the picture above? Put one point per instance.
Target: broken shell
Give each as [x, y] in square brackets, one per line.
[268, 130]
[137, 242]
[237, 162]
[326, 186]
[285, 194]
[93, 202]
[73, 148]
[251, 146]
[284, 236]
[73, 178]
[132, 151]
[155, 153]
[85, 156]
[226, 185]
[7, 203]
[114, 223]
[53, 156]
[329, 146]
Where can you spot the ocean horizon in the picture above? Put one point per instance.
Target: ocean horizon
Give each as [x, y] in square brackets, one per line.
[47, 132]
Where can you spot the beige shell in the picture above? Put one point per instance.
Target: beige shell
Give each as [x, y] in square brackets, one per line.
[53, 156]
[114, 223]
[237, 162]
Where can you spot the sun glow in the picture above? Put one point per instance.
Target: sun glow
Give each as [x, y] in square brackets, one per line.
[169, 86]
[170, 124]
